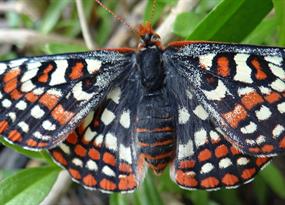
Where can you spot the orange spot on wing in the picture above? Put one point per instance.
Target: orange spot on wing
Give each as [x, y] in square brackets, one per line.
[31, 97]
[261, 161]
[260, 74]
[248, 173]
[31, 143]
[11, 75]
[124, 167]
[210, 182]
[14, 136]
[89, 180]
[76, 71]
[185, 179]
[94, 154]
[282, 143]
[74, 173]
[61, 115]
[251, 99]
[267, 148]
[221, 151]
[158, 143]
[11, 85]
[16, 94]
[3, 126]
[109, 158]
[80, 151]
[72, 138]
[43, 78]
[235, 151]
[50, 101]
[107, 184]
[272, 97]
[254, 149]
[230, 179]
[223, 66]
[186, 164]
[59, 158]
[127, 182]
[159, 156]
[235, 116]
[204, 155]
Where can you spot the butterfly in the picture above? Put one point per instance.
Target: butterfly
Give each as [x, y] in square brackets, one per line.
[212, 111]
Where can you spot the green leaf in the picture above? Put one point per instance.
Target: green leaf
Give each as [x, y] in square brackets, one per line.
[53, 48]
[118, 199]
[28, 153]
[28, 187]
[52, 15]
[274, 179]
[231, 21]
[185, 23]
[279, 6]
[261, 190]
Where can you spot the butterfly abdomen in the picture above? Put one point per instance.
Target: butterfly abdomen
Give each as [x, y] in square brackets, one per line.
[155, 130]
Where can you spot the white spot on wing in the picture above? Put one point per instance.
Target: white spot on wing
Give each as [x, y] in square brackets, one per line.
[281, 107]
[27, 86]
[206, 60]
[37, 112]
[242, 161]
[79, 94]
[12, 116]
[32, 71]
[248, 129]
[206, 168]
[99, 139]
[278, 129]
[244, 91]
[263, 113]
[214, 135]
[3, 68]
[21, 105]
[64, 148]
[277, 71]
[125, 120]
[93, 65]
[125, 153]
[264, 90]
[278, 85]
[200, 137]
[16, 63]
[107, 116]
[77, 162]
[6, 103]
[274, 60]
[185, 150]
[39, 135]
[57, 77]
[243, 71]
[115, 95]
[201, 112]
[47, 125]
[218, 93]
[91, 165]
[108, 171]
[24, 126]
[183, 115]
[224, 163]
[260, 139]
[111, 141]
[89, 134]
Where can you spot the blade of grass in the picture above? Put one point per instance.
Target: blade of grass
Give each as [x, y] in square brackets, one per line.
[279, 6]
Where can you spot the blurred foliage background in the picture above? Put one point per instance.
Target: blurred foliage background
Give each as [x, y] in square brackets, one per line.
[41, 27]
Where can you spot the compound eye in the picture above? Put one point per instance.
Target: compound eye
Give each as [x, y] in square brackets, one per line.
[155, 38]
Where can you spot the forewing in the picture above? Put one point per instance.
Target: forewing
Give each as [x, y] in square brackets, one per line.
[204, 158]
[241, 87]
[102, 153]
[43, 98]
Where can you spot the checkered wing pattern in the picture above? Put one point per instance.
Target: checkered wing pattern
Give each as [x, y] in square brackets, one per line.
[204, 158]
[43, 98]
[102, 153]
[242, 89]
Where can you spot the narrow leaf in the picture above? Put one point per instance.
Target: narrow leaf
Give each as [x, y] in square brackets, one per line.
[28, 187]
[231, 21]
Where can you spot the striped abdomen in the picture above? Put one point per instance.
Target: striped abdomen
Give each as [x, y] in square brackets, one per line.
[155, 131]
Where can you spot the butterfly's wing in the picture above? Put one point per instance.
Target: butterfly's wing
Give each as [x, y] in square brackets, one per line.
[241, 87]
[102, 153]
[43, 98]
[204, 158]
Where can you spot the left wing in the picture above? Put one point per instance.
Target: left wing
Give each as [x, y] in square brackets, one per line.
[242, 88]
[43, 98]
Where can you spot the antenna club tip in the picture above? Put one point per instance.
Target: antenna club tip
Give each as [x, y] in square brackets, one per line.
[144, 29]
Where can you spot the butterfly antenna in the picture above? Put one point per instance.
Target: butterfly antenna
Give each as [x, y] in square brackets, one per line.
[153, 8]
[119, 18]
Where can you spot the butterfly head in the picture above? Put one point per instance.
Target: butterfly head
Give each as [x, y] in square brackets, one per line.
[148, 38]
